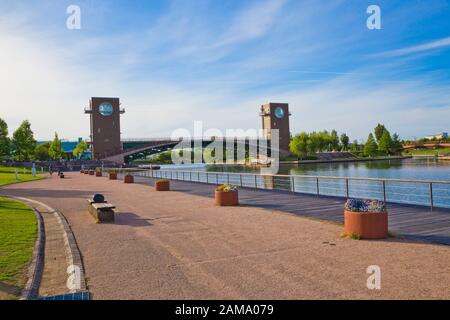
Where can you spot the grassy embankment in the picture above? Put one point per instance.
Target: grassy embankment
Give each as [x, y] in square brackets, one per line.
[18, 228]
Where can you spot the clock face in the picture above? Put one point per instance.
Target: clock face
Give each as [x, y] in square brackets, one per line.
[105, 109]
[279, 112]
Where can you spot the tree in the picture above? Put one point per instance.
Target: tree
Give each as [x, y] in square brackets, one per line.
[5, 143]
[299, 145]
[370, 147]
[385, 144]
[344, 141]
[355, 145]
[379, 129]
[334, 141]
[80, 149]
[41, 151]
[55, 150]
[23, 142]
[396, 143]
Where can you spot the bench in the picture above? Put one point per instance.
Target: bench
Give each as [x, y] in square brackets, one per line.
[102, 212]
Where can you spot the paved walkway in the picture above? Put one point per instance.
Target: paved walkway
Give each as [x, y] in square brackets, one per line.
[176, 245]
[415, 222]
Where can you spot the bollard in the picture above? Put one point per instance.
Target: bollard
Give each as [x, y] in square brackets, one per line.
[17, 174]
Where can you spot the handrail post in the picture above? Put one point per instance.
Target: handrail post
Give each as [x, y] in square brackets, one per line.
[217, 178]
[346, 188]
[240, 179]
[317, 186]
[207, 181]
[292, 184]
[256, 185]
[384, 190]
[228, 178]
[431, 196]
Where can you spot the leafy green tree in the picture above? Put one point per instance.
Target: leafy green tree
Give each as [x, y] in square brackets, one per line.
[379, 129]
[23, 142]
[314, 142]
[80, 149]
[299, 145]
[370, 147]
[5, 143]
[355, 146]
[385, 144]
[334, 141]
[41, 151]
[344, 141]
[56, 151]
[396, 143]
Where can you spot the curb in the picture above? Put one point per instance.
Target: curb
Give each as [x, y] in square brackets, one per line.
[36, 268]
[73, 254]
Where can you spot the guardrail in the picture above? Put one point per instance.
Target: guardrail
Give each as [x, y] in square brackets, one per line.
[430, 193]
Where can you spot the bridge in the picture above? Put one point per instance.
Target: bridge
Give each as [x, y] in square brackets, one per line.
[139, 148]
[428, 145]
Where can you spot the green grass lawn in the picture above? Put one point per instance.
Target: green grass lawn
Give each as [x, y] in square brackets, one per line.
[7, 175]
[428, 152]
[18, 229]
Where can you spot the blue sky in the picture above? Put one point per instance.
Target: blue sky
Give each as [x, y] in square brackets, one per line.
[174, 62]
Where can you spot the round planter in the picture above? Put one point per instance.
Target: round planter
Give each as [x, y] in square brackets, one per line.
[367, 225]
[128, 179]
[162, 185]
[98, 174]
[81, 171]
[112, 176]
[86, 171]
[91, 172]
[226, 198]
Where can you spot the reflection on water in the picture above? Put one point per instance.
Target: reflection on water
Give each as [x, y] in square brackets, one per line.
[419, 169]
[401, 192]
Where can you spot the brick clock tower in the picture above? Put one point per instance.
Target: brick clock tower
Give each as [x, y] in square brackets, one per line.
[105, 126]
[276, 116]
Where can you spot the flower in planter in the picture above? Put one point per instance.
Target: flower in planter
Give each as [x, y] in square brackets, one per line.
[226, 188]
[363, 205]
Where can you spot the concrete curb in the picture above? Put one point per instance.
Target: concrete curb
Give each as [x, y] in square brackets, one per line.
[36, 267]
[73, 254]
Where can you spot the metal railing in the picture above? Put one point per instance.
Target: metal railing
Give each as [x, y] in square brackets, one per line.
[430, 193]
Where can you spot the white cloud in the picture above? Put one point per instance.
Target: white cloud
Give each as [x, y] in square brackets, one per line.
[441, 43]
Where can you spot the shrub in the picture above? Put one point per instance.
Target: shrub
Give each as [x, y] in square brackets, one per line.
[163, 180]
[226, 188]
[362, 205]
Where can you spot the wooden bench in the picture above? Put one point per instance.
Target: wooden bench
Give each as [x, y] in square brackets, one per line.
[102, 212]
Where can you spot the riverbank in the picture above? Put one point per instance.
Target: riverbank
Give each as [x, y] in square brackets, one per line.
[345, 160]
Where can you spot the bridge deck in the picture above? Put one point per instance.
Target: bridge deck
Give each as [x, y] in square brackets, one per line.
[410, 221]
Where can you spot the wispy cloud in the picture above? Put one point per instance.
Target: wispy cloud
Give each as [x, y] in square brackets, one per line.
[441, 43]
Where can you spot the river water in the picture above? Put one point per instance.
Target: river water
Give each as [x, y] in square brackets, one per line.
[409, 169]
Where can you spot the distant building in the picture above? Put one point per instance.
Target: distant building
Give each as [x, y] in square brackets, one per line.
[439, 136]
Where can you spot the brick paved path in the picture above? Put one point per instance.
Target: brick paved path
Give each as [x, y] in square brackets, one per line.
[175, 245]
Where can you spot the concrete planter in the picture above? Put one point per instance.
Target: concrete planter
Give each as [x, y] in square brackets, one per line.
[128, 179]
[91, 172]
[112, 176]
[226, 198]
[98, 174]
[162, 185]
[366, 224]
